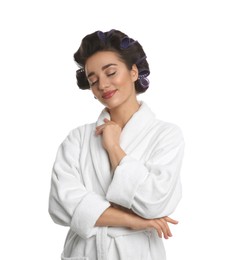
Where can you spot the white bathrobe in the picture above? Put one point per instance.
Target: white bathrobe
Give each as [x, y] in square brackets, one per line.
[147, 181]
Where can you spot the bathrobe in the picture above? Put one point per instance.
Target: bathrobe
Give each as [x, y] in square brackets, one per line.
[146, 181]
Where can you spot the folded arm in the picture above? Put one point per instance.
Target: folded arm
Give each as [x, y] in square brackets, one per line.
[151, 189]
[117, 217]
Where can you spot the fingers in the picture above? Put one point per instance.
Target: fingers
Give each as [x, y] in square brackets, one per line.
[157, 228]
[106, 120]
[170, 220]
[99, 129]
[162, 227]
[166, 229]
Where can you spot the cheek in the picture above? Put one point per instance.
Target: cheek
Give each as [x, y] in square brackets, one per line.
[94, 91]
[126, 85]
[122, 82]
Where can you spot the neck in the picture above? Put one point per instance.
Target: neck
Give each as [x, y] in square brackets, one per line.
[122, 114]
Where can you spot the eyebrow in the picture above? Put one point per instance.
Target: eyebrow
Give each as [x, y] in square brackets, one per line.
[103, 68]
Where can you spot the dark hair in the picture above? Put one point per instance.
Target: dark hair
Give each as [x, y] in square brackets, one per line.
[128, 50]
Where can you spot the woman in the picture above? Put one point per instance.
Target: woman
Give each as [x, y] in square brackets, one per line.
[116, 181]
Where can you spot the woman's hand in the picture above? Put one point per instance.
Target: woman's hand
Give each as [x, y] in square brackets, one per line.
[138, 223]
[161, 225]
[118, 216]
[110, 132]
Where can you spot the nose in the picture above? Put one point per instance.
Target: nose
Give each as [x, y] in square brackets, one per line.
[103, 83]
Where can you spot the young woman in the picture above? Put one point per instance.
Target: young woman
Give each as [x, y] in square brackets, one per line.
[116, 181]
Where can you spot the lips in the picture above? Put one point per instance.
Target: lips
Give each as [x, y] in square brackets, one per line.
[108, 94]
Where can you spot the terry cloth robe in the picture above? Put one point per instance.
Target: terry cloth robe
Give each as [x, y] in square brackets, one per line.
[147, 181]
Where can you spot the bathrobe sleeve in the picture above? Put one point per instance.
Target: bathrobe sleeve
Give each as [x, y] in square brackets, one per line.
[70, 204]
[151, 189]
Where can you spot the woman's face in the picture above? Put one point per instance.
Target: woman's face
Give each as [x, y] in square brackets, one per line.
[110, 80]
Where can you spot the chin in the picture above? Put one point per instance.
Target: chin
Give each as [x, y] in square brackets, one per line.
[112, 104]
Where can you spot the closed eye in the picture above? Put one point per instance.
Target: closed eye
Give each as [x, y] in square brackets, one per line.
[108, 75]
[111, 74]
[93, 83]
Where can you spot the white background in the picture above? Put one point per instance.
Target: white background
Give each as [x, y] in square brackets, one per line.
[40, 104]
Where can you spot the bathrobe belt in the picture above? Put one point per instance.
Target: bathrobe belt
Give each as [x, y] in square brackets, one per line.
[113, 232]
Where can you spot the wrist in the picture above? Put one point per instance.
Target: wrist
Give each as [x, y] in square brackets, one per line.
[130, 221]
[116, 154]
[113, 148]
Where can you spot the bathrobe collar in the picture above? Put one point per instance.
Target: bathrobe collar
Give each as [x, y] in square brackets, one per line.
[134, 131]
[135, 127]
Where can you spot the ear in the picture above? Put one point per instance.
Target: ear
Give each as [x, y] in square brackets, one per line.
[134, 72]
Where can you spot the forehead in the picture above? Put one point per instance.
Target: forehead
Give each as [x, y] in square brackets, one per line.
[100, 59]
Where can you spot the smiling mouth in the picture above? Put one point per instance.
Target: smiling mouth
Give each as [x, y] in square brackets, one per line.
[108, 94]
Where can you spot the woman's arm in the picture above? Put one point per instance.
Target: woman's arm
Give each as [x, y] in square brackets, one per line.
[151, 189]
[110, 132]
[116, 217]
